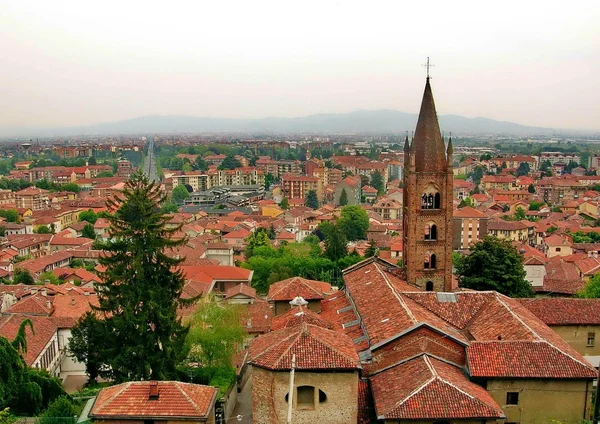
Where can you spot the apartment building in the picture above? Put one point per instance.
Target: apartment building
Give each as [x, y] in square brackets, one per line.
[32, 198]
[298, 186]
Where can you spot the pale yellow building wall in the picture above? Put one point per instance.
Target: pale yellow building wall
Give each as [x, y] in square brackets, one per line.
[543, 401]
[577, 337]
[269, 390]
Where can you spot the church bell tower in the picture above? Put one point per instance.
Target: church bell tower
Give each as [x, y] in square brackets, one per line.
[428, 203]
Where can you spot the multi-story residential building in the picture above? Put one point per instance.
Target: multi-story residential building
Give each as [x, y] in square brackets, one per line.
[559, 157]
[32, 198]
[513, 162]
[388, 209]
[7, 197]
[557, 191]
[201, 181]
[498, 182]
[353, 190]
[512, 230]
[124, 168]
[594, 162]
[289, 167]
[268, 166]
[298, 186]
[470, 226]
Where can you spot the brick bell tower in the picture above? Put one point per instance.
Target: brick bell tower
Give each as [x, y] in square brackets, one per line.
[427, 213]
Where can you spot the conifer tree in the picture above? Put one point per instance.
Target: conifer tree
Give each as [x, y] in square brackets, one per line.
[141, 289]
[312, 201]
[343, 198]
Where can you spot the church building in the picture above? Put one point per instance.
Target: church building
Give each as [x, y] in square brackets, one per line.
[405, 344]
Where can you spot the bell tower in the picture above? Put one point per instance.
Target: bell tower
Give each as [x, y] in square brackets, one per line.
[427, 213]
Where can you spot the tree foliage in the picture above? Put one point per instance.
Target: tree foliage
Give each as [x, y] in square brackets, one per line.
[494, 264]
[22, 389]
[180, 193]
[343, 198]
[215, 334]
[88, 216]
[311, 201]
[230, 162]
[354, 222]
[86, 336]
[335, 240]
[258, 238]
[377, 182]
[11, 215]
[22, 276]
[88, 232]
[523, 169]
[591, 289]
[58, 412]
[143, 336]
[371, 250]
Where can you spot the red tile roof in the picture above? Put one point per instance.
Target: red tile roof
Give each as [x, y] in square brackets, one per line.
[243, 289]
[43, 331]
[288, 289]
[257, 317]
[564, 311]
[524, 359]
[175, 400]
[426, 388]
[298, 315]
[316, 348]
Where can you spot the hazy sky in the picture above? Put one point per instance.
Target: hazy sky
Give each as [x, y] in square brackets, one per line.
[82, 62]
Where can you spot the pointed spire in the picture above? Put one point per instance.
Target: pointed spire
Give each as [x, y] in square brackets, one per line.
[406, 144]
[428, 145]
[450, 149]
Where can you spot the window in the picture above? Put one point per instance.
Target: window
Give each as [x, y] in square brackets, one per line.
[431, 232]
[430, 261]
[429, 286]
[591, 339]
[322, 396]
[558, 249]
[512, 398]
[306, 397]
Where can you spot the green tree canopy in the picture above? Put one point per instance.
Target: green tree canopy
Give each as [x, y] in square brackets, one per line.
[143, 337]
[180, 193]
[92, 161]
[230, 162]
[494, 264]
[465, 202]
[72, 187]
[343, 198]
[335, 240]
[215, 334]
[42, 229]
[86, 336]
[22, 276]
[354, 222]
[377, 182]
[312, 201]
[591, 289]
[89, 216]
[88, 231]
[371, 250]
[258, 238]
[523, 169]
[284, 204]
[169, 207]
[61, 411]
[531, 189]
[11, 215]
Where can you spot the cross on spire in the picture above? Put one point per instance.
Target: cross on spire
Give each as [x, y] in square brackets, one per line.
[427, 66]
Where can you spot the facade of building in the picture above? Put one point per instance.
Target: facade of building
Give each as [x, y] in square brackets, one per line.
[298, 186]
[470, 226]
[32, 198]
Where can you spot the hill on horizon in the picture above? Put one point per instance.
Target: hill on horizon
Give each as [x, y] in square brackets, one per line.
[362, 121]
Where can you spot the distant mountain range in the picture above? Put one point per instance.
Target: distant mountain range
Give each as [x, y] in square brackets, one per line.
[375, 121]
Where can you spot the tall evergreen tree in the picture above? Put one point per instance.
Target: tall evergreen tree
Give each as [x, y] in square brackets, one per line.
[377, 182]
[371, 250]
[141, 290]
[312, 201]
[343, 198]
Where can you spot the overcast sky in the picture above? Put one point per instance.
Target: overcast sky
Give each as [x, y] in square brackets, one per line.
[82, 62]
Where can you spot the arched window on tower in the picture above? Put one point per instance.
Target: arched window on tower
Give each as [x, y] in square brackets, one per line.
[429, 286]
[431, 198]
[430, 261]
[437, 201]
[430, 232]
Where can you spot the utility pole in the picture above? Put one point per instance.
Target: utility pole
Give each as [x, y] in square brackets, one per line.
[291, 392]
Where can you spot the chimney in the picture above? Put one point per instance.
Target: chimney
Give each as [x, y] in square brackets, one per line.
[48, 304]
[153, 394]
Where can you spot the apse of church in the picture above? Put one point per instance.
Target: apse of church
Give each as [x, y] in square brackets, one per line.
[427, 218]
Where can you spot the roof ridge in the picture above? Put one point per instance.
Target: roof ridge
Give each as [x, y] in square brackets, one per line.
[117, 393]
[184, 393]
[414, 392]
[297, 335]
[326, 344]
[400, 300]
[509, 309]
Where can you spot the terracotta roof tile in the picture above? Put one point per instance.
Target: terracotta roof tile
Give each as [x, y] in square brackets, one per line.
[175, 399]
[298, 315]
[426, 388]
[564, 311]
[297, 286]
[315, 348]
